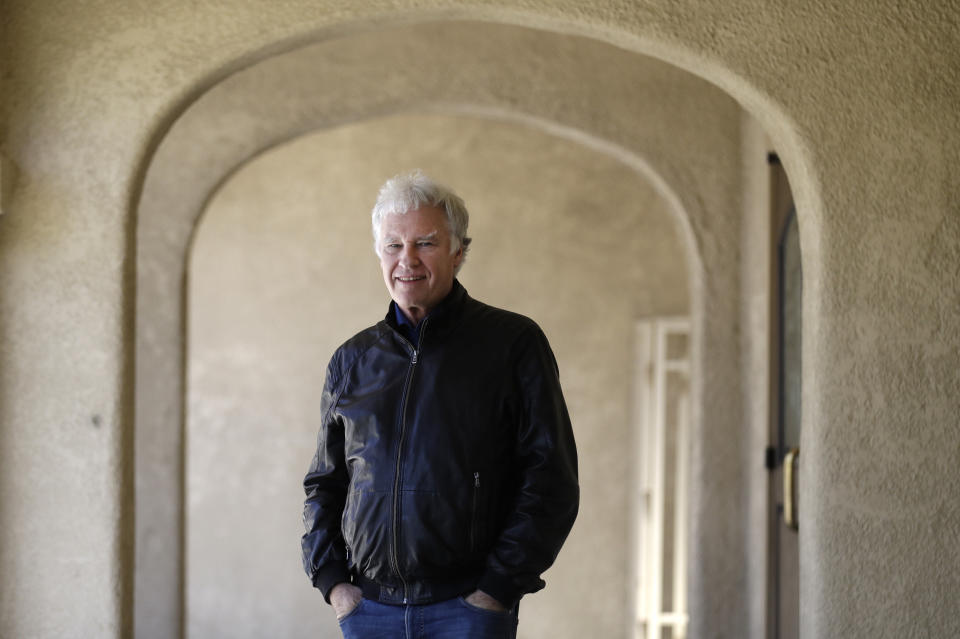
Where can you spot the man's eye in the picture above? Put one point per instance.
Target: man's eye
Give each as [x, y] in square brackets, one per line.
[424, 243]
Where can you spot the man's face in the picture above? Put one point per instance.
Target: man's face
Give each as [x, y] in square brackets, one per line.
[415, 257]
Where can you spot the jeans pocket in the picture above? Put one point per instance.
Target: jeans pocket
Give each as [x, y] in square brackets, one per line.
[485, 611]
[355, 610]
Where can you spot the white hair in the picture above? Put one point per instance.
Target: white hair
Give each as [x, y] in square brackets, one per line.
[409, 192]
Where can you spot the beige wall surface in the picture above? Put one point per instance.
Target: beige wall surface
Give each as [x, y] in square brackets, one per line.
[860, 100]
[283, 271]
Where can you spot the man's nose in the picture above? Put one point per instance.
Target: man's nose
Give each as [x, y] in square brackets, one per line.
[408, 256]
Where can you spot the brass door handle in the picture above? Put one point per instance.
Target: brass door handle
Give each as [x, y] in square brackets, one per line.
[790, 489]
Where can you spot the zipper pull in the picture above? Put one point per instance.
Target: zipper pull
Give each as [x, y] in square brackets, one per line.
[416, 354]
[476, 479]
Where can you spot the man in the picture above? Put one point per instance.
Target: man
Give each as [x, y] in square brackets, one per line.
[445, 478]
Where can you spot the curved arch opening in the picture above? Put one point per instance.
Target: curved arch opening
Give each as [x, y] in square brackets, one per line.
[207, 144]
[282, 273]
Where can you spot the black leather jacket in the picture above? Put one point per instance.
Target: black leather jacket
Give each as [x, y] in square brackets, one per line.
[442, 468]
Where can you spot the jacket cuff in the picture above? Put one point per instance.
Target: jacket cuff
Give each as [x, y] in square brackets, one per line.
[500, 588]
[329, 576]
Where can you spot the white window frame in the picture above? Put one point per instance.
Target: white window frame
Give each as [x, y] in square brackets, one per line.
[652, 368]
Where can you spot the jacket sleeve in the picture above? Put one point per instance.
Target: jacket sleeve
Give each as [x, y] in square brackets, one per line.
[326, 483]
[548, 495]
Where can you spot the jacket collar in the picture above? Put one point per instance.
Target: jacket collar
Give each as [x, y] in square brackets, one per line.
[444, 313]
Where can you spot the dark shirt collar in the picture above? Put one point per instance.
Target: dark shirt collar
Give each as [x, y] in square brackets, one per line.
[406, 326]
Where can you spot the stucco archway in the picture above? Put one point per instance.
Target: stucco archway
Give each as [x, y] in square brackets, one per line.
[551, 89]
[281, 272]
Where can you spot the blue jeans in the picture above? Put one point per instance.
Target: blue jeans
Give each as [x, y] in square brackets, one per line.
[451, 619]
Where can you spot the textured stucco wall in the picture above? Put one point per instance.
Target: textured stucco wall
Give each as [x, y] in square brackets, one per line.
[282, 272]
[860, 98]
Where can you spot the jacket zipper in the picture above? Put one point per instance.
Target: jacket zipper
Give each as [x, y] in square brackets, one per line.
[398, 467]
[473, 512]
